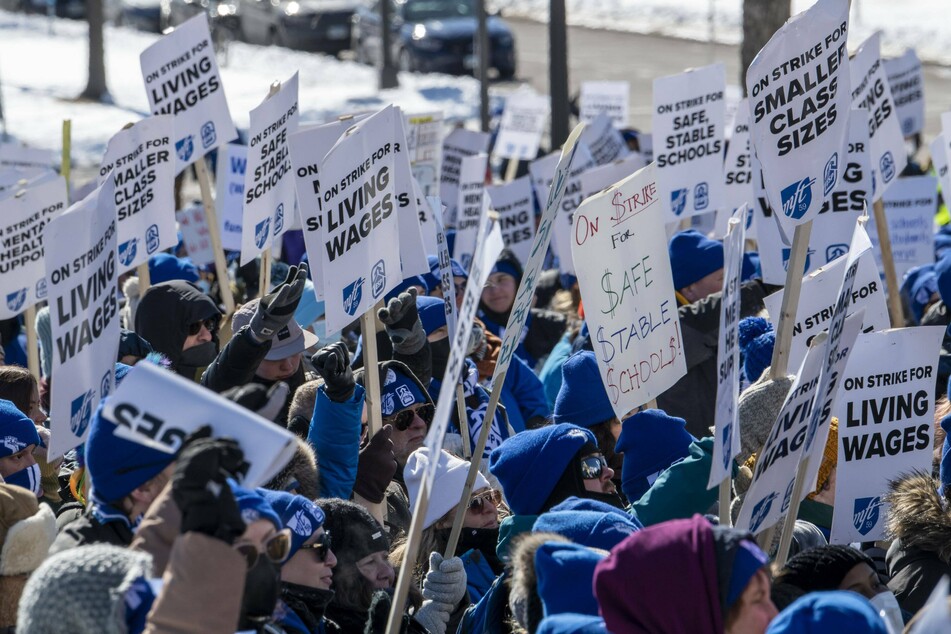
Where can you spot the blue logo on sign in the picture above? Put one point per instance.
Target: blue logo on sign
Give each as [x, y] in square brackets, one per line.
[208, 135]
[701, 196]
[834, 251]
[907, 125]
[185, 148]
[678, 201]
[261, 232]
[865, 514]
[278, 218]
[16, 299]
[887, 165]
[727, 445]
[761, 511]
[830, 174]
[41, 288]
[352, 295]
[152, 239]
[797, 197]
[80, 413]
[787, 252]
[127, 251]
[378, 278]
[104, 384]
[787, 496]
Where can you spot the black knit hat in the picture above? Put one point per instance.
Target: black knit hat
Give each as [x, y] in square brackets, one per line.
[354, 534]
[822, 568]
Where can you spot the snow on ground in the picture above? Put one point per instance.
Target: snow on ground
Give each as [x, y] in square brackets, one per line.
[40, 74]
[922, 24]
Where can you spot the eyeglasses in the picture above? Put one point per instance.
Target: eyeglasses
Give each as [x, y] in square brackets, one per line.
[403, 419]
[276, 549]
[592, 467]
[321, 546]
[478, 502]
[211, 324]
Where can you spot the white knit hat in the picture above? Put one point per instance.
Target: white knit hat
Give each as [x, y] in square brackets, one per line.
[447, 486]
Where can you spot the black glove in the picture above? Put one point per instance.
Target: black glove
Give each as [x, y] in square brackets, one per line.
[401, 320]
[376, 466]
[200, 489]
[277, 308]
[332, 363]
[264, 402]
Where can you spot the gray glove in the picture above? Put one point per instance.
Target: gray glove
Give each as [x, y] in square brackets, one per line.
[434, 616]
[401, 320]
[276, 309]
[446, 580]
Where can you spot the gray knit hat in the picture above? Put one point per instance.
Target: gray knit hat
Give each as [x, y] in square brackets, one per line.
[81, 590]
[758, 408]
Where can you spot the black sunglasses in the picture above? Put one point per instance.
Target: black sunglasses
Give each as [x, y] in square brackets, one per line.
[402, 420]
[321, 546]
[592, 467]
[211, 324]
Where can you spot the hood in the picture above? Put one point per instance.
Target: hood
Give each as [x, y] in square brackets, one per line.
[917, 516]
[455, 28]
[300, 474]
[166, 310]
[524, 600]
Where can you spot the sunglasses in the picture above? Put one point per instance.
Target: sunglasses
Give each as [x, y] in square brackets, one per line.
[403, 419]
[276, 549]
[321, 546]
[592, 467]
[478, 502]
[211, 324]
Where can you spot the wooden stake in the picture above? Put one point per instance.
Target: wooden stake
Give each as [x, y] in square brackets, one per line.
[145, 278]
[511, 169]
[787, 316]
[264, 272]
[65, 165]
[888, 263]
[786, 538]
[395, 622]
[368, 329]
[725, 494]
[211, 219]
[32, 345]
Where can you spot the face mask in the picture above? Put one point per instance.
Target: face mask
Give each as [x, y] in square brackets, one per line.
[198, 356]
[440, 356]
[28, 479]
[262, 587]
[887, 607]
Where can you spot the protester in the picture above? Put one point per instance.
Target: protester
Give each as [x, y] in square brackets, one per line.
[650, 441]
[19, 387]
[697, 264]
[19, 440]
[833, 567]
[829, 612]
[27, 530]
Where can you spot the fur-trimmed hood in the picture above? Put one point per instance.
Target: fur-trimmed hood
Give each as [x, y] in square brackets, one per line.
[302, 470]
[524, 602]
[919, 515]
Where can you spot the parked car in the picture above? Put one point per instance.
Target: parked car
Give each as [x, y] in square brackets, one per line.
[144, 15]
[307, 25]
[222, 15]
[433, 36]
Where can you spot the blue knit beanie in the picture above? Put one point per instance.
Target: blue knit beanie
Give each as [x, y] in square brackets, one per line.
[432, 313]
[253, 506]
[828, 613]
[529, 464]
[756, 339]
[747, 561]
[651, 441]
[751, 266]
[574, 503]
[919, 284]
[582, 399]
[572, 624]
[565, 574]
[17, 431]
[164, 267]
[416, 280]
[296, 513]
[693, 256]
[942, 269]
[509, 264]
[398, 392]
[588, 528]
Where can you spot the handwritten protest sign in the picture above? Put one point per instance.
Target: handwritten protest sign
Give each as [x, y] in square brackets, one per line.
[688, 121]
[523, 121]
[910, 205]
[181, 79]
[799, 110]
[597, 178]
[907, 85]
[82, 268]
[603, 141]
[515, 204]
[470, 206]
[610, 98]
[22, 266]
[195, 234]
[141, 159]
[229, 193]
[424, 143]
[623, 269]
[457, 145]
[886, 413]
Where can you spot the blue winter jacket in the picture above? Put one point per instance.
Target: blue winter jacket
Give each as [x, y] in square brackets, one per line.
[335, 436]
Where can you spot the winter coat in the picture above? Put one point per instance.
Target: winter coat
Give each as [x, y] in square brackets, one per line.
[523, 396]
[550, 375]
[335, 436]
[301, 610]
[543, 329]
[87, 529]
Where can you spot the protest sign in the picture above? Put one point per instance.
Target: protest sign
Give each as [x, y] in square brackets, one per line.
[523, 121]
[427, 218]
[229, 193]
[446, 283]
[886, 413]
[412, 253]
[597, 178]
[817, 302]
[424, 143]
[939, 160]
[799, 110]
[603, 141]
[907, 84]
[141, 159]
[195, 235]
[471, 207]
[457, 145]
[268, 179]
[623, 268]
[726, 443]
[24, 157]
[515, 204]
[82, 269]
[158, 408]
[610, 98]
[910, 205]
[359, 241]
[23, 218]
[181, 79]
[688, 121]
[737, 171]
[13, 179]
[870, 90]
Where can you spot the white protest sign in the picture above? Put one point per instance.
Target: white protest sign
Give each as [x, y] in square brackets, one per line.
[817, 302]
[360, 232]
[515, 204]
[470, 207]
[907, 84]
[939, 159]
[603, 141]
[412, 253]
[142, 162]
[22, 267]
[610, 98]
[886, 413]
[457, 145]
[910, 205]
[597, 178]
[623, 268]
[424, 142]
[181, 79]
[446, 283]
[726, 443]
[229, 193]
[799, 110]
[13, 179]
[158, 408]
[523, 121]
[737, 171]
[269, 179]
[870, 90]
[427, 219]
[195, 234]
[24, 157]
[688, 122]
[82, 278]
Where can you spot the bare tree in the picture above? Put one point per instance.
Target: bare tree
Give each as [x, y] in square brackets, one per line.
[96, 89]
[761, 18]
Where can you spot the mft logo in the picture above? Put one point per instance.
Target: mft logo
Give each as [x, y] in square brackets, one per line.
[261, 232]
[865, 514]
[184, 148]
[797, 197]
[16, 299]
[678, 201]
[80, 412]
[352, 296]
[127, 251]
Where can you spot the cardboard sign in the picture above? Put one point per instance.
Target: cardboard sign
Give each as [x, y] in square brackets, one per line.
[906, 81]
[515, 205]
[141, 159]
[610, 98]
[737, 171]
[726, 443]
[229, 193]
[24, 157]
[870, 90]
[424, 143]
[603, 141]
[23, 218]
[939, 159]
[158, 408]
[523, 121]
[471, 207]
[774, 248]
[412, 253]
[457, 145]
[82, 269]
[910, 205]
[195, 234]
[13, 179]
[597, 178]
[688, 121]
[886, 414]
[799, 110]
[269, 179]
[359, 250]
[446, 283]
[181, 79]
[428, 218]
[620, 251]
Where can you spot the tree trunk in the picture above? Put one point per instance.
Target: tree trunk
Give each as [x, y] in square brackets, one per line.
[761, 18]
[96, 89]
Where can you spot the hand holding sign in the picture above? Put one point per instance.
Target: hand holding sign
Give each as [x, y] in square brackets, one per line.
[276, 309]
